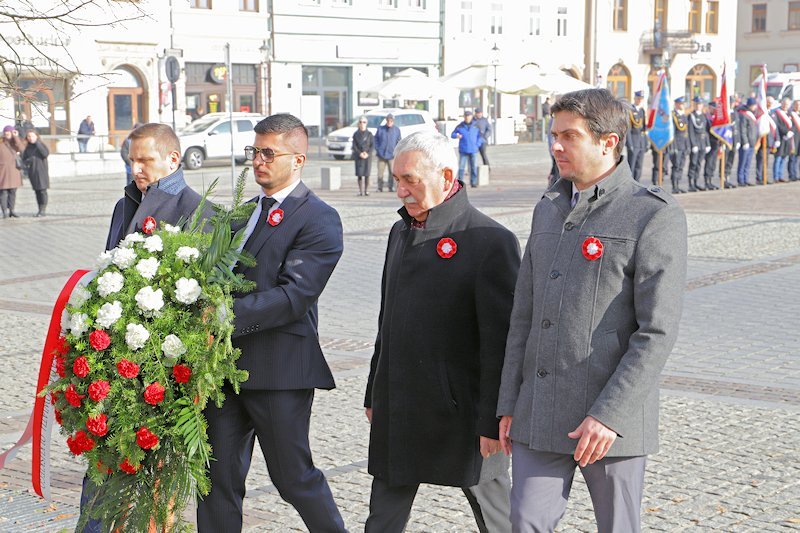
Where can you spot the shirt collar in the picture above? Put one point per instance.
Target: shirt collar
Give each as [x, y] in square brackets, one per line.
[282, 194]
[593, 191]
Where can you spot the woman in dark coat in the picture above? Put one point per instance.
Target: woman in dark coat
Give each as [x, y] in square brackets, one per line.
[35, 160]
[10, 177]
[363, 143]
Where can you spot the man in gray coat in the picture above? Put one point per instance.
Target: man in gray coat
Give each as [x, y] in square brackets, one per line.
[596, 311]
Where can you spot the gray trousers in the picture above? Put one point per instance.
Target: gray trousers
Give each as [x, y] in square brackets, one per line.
[542, 483]
[390, 506]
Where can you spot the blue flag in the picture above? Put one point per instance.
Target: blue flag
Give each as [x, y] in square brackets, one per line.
[661, 130]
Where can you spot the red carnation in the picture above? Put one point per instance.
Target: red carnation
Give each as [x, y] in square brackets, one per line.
[103, 468]
[97, 425]
[127, 369]
[154, 393]
[54, 397]
[81, 367]
[181, 373]
[99, 340]
[128, 468]
[149, 224]
[146, 439]
[72, 396]
[62, 346]
[80, 442]
[99, 390]
[58, 417]
[60, 366]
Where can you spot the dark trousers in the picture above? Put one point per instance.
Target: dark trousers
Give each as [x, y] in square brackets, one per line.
[730, 155]
[8, 199]
[280, 420]
[695, 162]
[678, 160]
[482, 150]
[390, 506]
[760, 154]
[745, 160]
[664, 166]
[792, 167]
[635, 160]
[710, 168]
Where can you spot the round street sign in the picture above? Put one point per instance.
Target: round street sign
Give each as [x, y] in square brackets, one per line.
[173, 68]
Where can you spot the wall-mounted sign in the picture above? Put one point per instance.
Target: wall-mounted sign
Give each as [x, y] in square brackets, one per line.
[218, 73]
[366, 99]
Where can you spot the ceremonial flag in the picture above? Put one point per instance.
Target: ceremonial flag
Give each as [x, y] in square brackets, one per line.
[765, 122]
[721, 121]
[659, 123]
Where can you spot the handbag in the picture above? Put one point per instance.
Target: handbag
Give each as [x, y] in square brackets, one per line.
[18, 161]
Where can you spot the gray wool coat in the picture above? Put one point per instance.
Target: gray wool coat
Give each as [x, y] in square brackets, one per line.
[590, 337]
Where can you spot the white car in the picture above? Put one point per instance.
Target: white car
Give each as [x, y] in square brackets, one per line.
[209, 137]
[340, 142]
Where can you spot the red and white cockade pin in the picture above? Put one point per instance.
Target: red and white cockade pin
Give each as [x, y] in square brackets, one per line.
[275, 217]
[446, 248]
[149, 225]
[592, 249]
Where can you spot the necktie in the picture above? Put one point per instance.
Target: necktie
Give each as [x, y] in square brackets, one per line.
[574, 199]
[266, 203]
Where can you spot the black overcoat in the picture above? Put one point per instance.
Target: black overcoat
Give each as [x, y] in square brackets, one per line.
[363, 141]
[435, 372]
[35, 159]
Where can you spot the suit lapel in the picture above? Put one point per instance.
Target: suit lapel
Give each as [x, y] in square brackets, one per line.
[289, 206]
[154, 204]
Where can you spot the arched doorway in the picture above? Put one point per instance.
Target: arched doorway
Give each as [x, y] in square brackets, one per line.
[127, 103]
[618, 81]
[701, 81]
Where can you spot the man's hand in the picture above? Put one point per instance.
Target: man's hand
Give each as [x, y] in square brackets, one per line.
[595, 441]
[708, 149]
[489, 447]
[368, 412]
[694, 149]
[746, 146]
[458, 135]
[505, 434]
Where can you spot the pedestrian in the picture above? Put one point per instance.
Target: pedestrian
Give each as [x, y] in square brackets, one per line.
[124, 150]
[386, 139]
[546, 109]
[596, 311]
[636, 140]
[85, 130]
[431, 396]
[10, 170]
[698, 142]
[469, 142]
[296, 239]
[785, 147]
[794, 175]
[23, 123]
[712, 154]
[363, 143]
[485, 128]
[769, 145]
[34, 157]
[732, 149]
[747, 124]
[679, 149]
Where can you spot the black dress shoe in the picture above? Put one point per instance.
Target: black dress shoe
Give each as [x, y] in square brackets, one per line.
[700, 187]
[12, 214]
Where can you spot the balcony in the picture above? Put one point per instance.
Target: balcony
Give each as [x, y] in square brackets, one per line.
[676, 42]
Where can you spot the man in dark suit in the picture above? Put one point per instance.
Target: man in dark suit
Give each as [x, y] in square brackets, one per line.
[698, 142]
[680, 147]
[296, 239]
[636, 140]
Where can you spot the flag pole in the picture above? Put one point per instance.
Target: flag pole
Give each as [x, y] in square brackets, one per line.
[766, 154]
[722, 170]
[660, 166]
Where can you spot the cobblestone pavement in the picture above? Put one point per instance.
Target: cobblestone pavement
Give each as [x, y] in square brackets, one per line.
[731, 390]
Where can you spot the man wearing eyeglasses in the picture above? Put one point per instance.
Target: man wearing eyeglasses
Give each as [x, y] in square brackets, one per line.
[296, 239]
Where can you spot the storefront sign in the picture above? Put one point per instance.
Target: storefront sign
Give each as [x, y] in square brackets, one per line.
[218, 73]
[366, 99]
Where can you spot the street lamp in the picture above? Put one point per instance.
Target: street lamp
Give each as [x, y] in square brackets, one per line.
[265, 73]
[495, 63]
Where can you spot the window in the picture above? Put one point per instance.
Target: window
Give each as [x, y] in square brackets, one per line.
[387, 3]
[794, 16]
[618, 82]
[497, 19]
[660, 14]
[244, 125]
[244, 74]
[620, 15]
[200, 4]
[561, 22]
[759, 18]
[466, 17]
[701, 81]
[535, 20]
[712, 17]
[224, 127]
[416, 4]
[755, 71]
[791, 67]
[248, 5]
[695, 12]
[342, 3]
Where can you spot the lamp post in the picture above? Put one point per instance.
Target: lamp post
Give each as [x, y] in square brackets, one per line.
[264, 49]
[495, 63]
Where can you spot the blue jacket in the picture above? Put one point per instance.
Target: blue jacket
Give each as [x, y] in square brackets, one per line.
[386, 140]
[471, 138]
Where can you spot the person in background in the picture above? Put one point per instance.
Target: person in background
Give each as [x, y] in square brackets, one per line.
[386, 138]
[34, 157]
[747, 124]
[363, 143]
[793, 159]
[486, 132]
[23, 123]
[736, 143]
[469, 143]
[773, 143]
[636, 140]
[85, 130]
[680, 147]
[712, 154]
[698, 142]
[10, 175]
[123, 153]
[786, 147]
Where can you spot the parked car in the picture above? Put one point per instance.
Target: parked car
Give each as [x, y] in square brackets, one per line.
[780, 85]
[340, 142]
[209, 137]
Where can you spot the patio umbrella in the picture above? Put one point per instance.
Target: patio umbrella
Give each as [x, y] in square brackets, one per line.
[532, 82]
[411, 84]
[473, 77]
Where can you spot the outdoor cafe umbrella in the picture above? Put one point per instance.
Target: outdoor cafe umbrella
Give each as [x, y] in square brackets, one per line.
[533, 82]
[411, 84]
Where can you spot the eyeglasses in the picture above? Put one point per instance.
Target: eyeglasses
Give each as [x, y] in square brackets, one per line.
[268, 155]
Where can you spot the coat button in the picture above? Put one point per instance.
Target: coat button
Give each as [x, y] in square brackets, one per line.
[554, 274]
[541, 372]
[545, 323]
[568, 226]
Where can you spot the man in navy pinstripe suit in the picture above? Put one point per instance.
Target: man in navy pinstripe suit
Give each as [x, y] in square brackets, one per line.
[296, 239]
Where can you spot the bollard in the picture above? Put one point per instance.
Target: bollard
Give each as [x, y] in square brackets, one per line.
[331, 178]
[483, 175]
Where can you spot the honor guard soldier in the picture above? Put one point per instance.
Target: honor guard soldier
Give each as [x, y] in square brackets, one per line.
[635, 141]
[730, 153]
[712, 154]
[698, 142]
[679, 148]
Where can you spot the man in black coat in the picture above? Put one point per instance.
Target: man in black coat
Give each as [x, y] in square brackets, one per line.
[680, 147]
[447, 292]
[296, 239]
[698, 140]
[636, 140]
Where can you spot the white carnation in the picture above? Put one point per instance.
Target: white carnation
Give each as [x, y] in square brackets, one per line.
[169, 228]
[108, 314]
[148, 267]
[104, 259]
[187, 254]
[148, 300]
[131, 238]
[173, 347]
[187, 290]
[124, 257]
[109, 283]
[78, 323]
[79, 296]
[136, 336]
[153, 244]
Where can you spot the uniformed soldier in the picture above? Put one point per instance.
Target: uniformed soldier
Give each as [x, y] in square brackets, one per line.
[747, 124]
[680, 147]
[712, 154]
[794, 159]
[636, 141]
[698, 142]
[730, 152]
